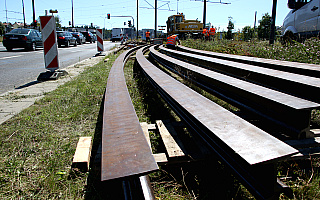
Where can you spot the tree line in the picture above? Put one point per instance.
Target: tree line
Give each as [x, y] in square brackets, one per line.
[262, 31]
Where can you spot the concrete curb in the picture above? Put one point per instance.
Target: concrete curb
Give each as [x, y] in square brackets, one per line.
[13, 102]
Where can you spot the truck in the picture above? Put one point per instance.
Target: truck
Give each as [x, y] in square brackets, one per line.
[177, 24]
[302, 20]
[117, 34]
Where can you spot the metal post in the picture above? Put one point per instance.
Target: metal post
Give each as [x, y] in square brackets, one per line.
[155, 18]
[137, 19]
[255, 21]
[34, 15]
[273, 21]
[24, 16]
[72, 14]
[204, 13]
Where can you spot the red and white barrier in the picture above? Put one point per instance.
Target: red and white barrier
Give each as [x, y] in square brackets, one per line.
[99, 40]
[49, 38]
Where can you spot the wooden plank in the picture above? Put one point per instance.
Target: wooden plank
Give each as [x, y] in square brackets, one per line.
[160, 158]
[144, 126]
[172, 147]
[82, 155]
[152, 127]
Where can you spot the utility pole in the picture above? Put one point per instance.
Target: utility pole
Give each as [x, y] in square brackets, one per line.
[24, 16]
[34, 16]
[273, 22]
[204, 13]
[155, 18]
[72, 14]
[6, 15]
[254, 25]
[137, 19]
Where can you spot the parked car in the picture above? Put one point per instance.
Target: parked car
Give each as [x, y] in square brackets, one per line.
[30, 39]
[79, 37]
[65, 38]
[302, 20]
[89, 36]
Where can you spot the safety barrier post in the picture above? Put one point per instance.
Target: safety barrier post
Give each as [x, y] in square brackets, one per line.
[100, 42]
[50, 49]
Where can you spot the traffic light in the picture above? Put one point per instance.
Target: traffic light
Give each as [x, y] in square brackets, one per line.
[129, 23]
[108, 16]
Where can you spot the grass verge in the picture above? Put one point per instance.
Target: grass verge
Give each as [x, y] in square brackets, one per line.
[37, 145]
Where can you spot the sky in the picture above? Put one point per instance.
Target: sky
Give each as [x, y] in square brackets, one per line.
[95, 11]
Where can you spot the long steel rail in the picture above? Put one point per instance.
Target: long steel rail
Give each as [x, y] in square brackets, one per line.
[287, 66]
[288, 111]
[246, 149]
[125, 151]
[299, 85]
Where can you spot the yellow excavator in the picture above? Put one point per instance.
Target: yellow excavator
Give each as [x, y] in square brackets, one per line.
[177, 24]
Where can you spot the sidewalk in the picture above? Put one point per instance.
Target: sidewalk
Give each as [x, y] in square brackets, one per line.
[13, 102]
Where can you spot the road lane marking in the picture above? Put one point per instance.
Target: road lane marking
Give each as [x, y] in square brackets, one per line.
[10, 57]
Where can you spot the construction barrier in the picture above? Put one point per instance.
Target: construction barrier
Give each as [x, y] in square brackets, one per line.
[49, 38]
[99, 40]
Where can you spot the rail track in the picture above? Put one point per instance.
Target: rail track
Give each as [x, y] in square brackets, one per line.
[250, 151]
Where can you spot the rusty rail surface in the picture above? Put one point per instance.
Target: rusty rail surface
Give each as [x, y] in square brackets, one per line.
[125, 151]
[246, 149]
[290, 112]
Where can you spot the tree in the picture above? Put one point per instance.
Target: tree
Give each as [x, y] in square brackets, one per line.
[247, 33]
[58, 22]
[2, 28]
[230, 28]
[264, 27]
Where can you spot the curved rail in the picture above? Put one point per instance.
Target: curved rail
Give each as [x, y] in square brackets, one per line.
[125, 151]
[242, 146]
[268, 103]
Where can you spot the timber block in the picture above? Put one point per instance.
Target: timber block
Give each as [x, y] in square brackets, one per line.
[82, 155]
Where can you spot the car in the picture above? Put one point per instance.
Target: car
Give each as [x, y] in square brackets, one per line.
[302, 20]
[65, 38]
[79, 37]
[89, 36]
[30, 39]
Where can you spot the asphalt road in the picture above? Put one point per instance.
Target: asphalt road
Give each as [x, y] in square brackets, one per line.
[20, 67]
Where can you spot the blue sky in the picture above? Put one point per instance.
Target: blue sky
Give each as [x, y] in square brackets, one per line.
[94, 11]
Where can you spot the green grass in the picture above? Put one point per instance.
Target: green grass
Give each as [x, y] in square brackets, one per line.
[37, 145]
[307, 52]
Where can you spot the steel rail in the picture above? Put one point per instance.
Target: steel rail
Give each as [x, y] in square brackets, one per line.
[295, 84]
[288, 111]
[287, 66]
[246, 149]
[125, 151]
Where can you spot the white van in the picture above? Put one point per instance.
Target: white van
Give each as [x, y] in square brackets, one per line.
[117, 34]
[302, 21]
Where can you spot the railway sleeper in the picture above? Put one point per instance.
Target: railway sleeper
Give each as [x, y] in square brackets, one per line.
[249, 151]
[302, 86]
[291, 113]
